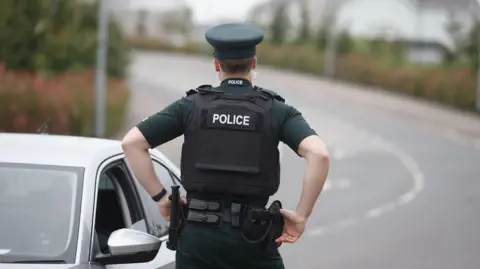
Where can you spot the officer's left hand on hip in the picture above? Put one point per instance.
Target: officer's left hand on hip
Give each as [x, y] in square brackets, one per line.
[293, 228]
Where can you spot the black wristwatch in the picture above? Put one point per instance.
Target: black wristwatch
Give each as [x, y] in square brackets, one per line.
[160, 195]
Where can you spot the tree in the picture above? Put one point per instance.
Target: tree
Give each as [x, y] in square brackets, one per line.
[304, 34]
[178, 21]
[48, 38]
[325, 30]
[344, 42]
[141, 23]
[472, 44]
[454, 28]
[279, 24]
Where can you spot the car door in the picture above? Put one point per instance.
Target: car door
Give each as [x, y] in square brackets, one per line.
[157, 225]
[120, 203]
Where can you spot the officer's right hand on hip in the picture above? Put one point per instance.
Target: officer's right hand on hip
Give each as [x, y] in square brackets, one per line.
[165, 205]
[293, 228]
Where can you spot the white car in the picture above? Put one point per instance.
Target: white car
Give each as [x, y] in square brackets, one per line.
[73, 202]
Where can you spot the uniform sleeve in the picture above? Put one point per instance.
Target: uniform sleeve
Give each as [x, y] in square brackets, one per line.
[295, 129]
[165, 125]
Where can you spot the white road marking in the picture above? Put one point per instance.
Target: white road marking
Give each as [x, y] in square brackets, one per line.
[347, 222]
[343, 183]
[340, 183]
[317, 231]
[377, 211]
[338, 154]
[366, 141]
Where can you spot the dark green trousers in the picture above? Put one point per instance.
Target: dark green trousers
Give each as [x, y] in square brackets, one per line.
[204, 247]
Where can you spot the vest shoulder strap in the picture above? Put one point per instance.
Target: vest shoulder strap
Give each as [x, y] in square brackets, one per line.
[271, 94]
[203, 89]
[208, 89]
[191, 92]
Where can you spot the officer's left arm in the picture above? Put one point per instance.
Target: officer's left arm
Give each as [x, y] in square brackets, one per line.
[301, 138]
[150, 133]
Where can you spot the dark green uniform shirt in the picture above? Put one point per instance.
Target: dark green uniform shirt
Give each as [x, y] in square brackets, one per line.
[172, 121]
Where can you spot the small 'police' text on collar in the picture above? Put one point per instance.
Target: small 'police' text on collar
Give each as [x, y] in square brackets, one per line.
[240, 82]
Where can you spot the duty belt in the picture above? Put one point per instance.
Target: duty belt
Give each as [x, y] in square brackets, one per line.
[257, 225]
[215, 212]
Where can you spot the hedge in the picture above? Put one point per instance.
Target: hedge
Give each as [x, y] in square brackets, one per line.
[49, 49]
[27, 100]
[450, 86]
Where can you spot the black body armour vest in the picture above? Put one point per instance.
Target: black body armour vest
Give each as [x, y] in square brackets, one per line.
[229, 147]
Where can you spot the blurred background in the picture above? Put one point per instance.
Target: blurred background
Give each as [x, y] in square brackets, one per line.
[422, 48]
[391, 85]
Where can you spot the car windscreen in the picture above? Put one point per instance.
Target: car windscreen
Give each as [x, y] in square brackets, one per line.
[39, 212]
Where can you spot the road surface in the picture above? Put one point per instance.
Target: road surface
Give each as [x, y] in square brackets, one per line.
[404, 185]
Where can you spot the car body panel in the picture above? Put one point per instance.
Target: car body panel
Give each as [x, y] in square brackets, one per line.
[93, 155]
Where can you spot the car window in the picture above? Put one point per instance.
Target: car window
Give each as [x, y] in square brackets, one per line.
[118, 205]
[163, 174]
[158, 224]
[39, 211]
[166, 177]
[106, 183]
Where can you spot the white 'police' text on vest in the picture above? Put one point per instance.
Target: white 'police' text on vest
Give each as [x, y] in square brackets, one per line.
[228, 119]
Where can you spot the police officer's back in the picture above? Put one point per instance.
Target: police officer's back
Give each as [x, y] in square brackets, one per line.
[230, 161]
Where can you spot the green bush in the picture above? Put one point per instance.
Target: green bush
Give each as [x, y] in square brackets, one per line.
[53, 36]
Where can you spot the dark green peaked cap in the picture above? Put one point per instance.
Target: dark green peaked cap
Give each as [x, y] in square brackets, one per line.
[234, 40]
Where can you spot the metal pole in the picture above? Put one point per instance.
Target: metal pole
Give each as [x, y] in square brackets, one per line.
[475, 14]
[100, 76]
[419, 28]
[330, 54]
[329, 57]
[477, 21]
[333, 8]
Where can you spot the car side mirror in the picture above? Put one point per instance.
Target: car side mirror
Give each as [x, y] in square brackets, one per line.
[130, 246]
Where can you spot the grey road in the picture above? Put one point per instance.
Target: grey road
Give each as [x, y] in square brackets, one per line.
[404, 185]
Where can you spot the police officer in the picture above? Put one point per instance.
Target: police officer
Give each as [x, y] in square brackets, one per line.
[230, 159]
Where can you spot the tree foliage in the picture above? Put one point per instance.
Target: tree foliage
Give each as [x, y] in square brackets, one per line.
[324, 30]
[280, 24]
[472, 46]
[304, 33]
[53, 36]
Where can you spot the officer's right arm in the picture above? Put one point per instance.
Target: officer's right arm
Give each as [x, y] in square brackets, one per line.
[301, 138]
[150, 133]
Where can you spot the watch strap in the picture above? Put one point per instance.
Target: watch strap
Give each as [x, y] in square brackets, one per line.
[160, 195]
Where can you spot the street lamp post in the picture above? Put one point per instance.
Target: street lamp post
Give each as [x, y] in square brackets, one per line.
[332, 7]
[329, 57]
[100, 76]
[478, 66]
